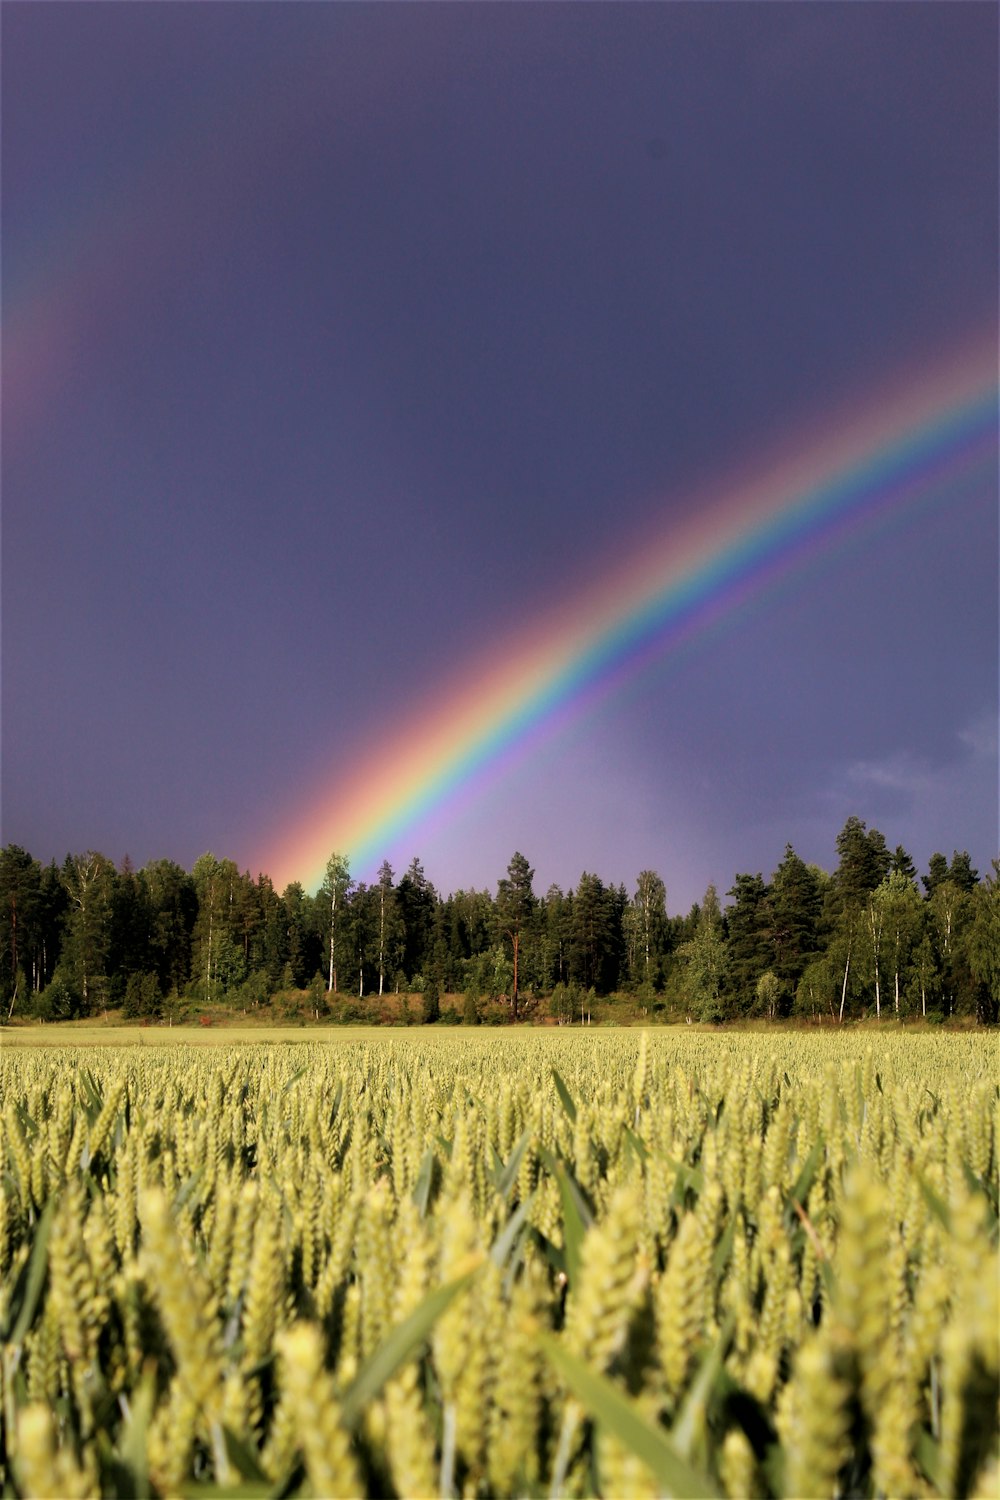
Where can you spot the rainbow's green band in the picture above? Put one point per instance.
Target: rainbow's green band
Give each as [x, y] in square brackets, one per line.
[917, 447]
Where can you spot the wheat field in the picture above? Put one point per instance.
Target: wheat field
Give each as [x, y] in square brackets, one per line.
[611, 1263]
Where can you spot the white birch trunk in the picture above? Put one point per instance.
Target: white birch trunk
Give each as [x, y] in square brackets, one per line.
[381, 937]
[332, 981]
[875, 927]
[843, 988]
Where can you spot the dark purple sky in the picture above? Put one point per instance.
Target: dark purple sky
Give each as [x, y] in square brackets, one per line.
[341, 339]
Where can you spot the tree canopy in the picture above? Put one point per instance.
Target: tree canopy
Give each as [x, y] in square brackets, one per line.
[79, 937]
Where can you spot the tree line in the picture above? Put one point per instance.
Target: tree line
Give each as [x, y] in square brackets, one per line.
[870, 938]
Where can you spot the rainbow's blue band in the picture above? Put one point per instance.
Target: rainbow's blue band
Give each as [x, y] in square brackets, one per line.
[666, 594]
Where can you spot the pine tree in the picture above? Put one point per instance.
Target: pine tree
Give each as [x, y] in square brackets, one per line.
[591, 932]
[961, 873]
[416, 899]
[704, 958]
[172, 902]
[795, 905]
[557, 925]
[748, 922]
[432, 1001]
[937, 873]
[20, 913]
[515, 908]
[864, 861]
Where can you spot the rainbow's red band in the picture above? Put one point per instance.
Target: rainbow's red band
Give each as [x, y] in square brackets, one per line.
[914, 446]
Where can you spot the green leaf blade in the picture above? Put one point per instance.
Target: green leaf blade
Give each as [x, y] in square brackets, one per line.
[614, 1410]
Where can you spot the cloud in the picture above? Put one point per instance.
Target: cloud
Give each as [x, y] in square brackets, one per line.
[926, 804]
[982, 737]
[907, 773]
[902, 772]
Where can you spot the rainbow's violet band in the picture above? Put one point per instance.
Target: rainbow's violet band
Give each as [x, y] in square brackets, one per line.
[920, 445]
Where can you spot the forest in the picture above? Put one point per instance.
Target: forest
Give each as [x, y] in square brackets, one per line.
[870, 939]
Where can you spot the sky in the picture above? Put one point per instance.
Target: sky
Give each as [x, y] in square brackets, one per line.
[344, 343]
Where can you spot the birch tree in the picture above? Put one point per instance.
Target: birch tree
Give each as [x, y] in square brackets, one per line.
[984, 938]
[901, 912]
[647, 927]
[389, 924]
[88, 880]
[218, 960]
[949, 906]
[874, 926]
[336, 884]
[924, 970]
[863, 862]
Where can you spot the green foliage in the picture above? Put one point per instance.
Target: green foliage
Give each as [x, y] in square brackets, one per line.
[515, 907]
[593, 960]
[20, 913]
[432, 1002]
[646, 931]
[983, 943]
[771, 993]
[416, 900]
[862, 940]
[937, 871]
[57, 1002]
[143, 996]
[748, 920]
[794, 905]
[816, 991]
[704, 958]
[864, 861]
[332, 899]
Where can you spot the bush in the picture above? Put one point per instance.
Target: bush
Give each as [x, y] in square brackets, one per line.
[254, 991]
[142, 996]
[57, 1002]
[495, 1013]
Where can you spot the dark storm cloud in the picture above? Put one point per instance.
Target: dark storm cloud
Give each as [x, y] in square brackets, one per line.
[355, 334]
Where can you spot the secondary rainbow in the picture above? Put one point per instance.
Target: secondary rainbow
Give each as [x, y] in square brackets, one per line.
[914, 446]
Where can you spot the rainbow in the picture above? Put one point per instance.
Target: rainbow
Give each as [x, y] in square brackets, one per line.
[915, 446]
